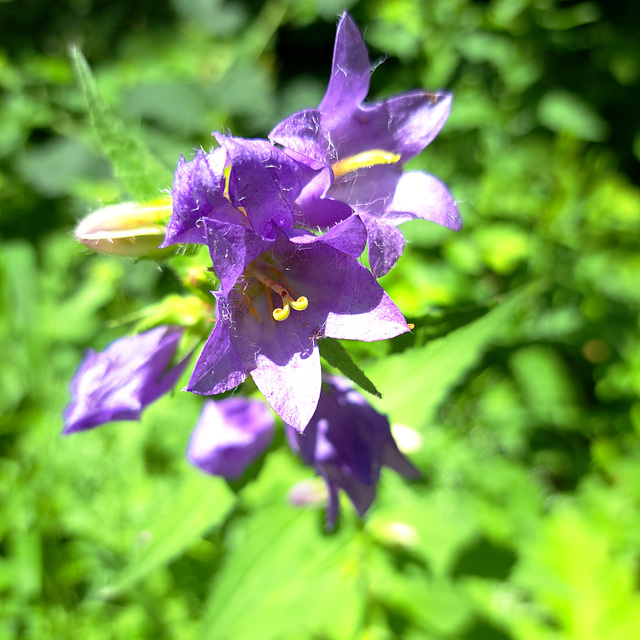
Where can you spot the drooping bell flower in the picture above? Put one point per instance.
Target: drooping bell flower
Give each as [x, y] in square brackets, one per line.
[230, 435]
[281, 289]
[347, 442]
[119, 382]
[358, 151]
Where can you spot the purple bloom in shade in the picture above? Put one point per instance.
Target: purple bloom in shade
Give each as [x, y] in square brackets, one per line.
[347, 442]
[230, 435]
[268, 322]
[119, 382]
[358, 151]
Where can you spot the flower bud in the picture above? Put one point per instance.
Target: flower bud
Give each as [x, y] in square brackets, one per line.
[126, 229]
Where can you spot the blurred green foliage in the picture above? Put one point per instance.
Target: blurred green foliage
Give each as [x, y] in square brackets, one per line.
[521, 381]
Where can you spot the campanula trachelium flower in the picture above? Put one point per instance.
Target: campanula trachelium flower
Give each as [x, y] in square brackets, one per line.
[358, 151]
[230, 435]
[347, 442]
[281, 288]
[119, 382]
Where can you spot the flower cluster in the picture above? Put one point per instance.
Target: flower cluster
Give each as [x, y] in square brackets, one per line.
[285, 221]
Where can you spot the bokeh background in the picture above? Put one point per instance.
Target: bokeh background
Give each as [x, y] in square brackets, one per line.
[520, 385]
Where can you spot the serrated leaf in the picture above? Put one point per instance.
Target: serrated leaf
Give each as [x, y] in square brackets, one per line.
[139, 170]
[196, 506]
[336, 355]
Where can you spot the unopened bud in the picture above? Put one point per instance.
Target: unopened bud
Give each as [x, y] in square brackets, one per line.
[127, 229]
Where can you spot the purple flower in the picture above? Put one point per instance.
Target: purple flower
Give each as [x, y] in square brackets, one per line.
[230, 435]
[119, 382]
[281, 289]
[347, 442]
[268, 324]
[358, 151]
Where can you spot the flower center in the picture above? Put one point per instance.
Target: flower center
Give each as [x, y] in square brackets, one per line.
[287, 300]
[364, 160]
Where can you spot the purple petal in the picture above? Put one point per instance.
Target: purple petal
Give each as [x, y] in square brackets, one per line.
[421, 195]
[347, 442]
[315, 207]
[386, 244]
[403, 124]
[368, 190]
[283, 360]
[348, 237]
[350, 73]
[302, 135]
[232, 248]
[333, 505]
[360, 494]
[345, 297]
[219, 367]
[230, 435]
[264, 182]
[392, 458]
[198, 192]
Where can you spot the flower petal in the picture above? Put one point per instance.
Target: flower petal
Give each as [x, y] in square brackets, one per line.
[386, 244]
[232, 248]
[348, 237]
[284, 362]
[264, 182]
[198, 192]
[344, 298]
[350, 73]
[315, 207]
[368, 190]
[303, 137]
[403, 124]
[421, 195]
[219, 367]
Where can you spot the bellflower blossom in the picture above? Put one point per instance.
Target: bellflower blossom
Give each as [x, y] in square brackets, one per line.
[119, 382]
[230, 435]
[281, 289]
[358, 151]
[347, 442]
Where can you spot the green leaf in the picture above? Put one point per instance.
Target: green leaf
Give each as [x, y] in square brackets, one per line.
[419, 380]
[283, 568]
[139, 170]
[335, 354]
[200, 503]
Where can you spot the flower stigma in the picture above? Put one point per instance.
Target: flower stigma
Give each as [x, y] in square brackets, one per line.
[288, 301]
[364, 160]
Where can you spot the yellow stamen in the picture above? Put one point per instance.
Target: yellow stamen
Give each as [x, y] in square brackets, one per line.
[287, 301]
[364, 160]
